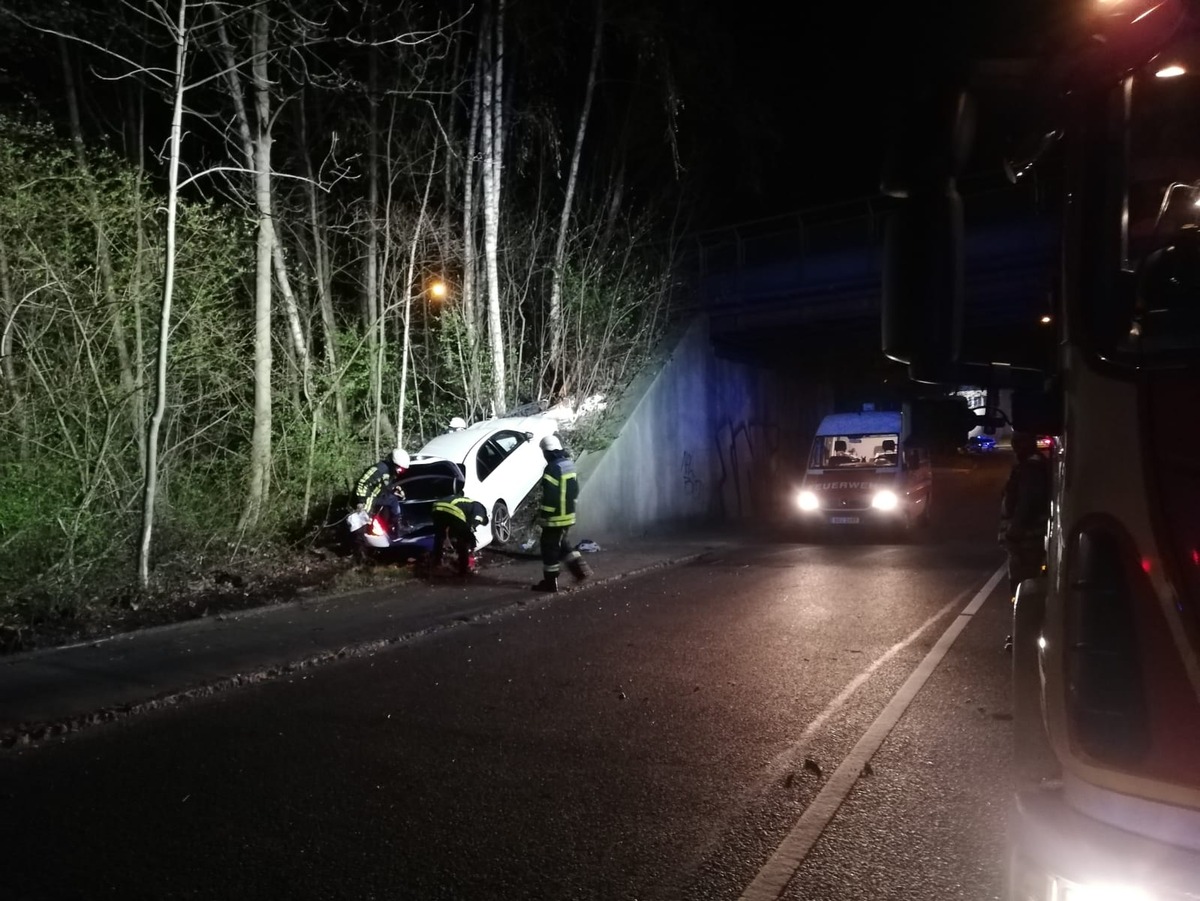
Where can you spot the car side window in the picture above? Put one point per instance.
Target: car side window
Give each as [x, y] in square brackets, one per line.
[508, 441]
[489, 457]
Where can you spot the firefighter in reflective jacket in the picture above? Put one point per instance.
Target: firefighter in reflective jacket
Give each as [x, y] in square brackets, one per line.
[376, 488]
[455, 520]
[560, 488]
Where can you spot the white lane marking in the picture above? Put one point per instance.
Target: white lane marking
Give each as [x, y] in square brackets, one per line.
[773, 878]
[786, 756]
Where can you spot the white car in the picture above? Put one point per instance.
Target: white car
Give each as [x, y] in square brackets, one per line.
[497, 462]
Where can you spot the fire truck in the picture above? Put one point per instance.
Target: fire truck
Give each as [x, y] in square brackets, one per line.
[1106, 653]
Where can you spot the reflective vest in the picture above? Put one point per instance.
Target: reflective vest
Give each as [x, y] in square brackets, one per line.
[462, 509]
[560, 488]
[373, 480]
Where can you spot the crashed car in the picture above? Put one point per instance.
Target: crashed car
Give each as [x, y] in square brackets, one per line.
[496, 462]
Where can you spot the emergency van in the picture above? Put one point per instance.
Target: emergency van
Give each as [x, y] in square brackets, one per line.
[865, 470]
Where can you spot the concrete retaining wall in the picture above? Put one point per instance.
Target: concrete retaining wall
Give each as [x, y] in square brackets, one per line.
[710, 440]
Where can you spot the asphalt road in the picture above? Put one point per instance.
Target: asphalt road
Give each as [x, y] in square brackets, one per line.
[776, 720]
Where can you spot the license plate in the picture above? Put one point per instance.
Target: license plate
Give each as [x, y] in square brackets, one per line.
[844, 520]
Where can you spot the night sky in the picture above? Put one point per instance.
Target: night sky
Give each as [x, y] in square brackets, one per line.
[814, 87]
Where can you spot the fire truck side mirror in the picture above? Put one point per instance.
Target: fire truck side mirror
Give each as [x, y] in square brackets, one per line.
[923, 285]
[922, 298]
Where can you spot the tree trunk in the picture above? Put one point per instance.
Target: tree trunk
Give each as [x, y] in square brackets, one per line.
[250, 141]
[560, 245]
[130, 387]
[372, 308]
[321, 273]
[139, 273]
[260, 438]
[164, 327]
[406, 339]
[8, 369]
[493, 171]
[470, 315]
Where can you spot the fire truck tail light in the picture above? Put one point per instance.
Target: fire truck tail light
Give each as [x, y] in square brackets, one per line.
[1106, 701]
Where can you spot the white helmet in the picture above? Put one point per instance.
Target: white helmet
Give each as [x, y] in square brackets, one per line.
[400, 458]
[457, 423]
[551, 443]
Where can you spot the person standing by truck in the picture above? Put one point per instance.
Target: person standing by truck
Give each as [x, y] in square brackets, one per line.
[1024, 509]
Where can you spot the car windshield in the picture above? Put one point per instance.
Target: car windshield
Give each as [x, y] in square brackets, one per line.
[1162, 238]
[855, 451]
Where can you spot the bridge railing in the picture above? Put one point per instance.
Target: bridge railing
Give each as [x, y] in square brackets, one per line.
[835, 244]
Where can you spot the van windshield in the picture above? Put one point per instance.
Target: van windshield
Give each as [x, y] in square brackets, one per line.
[855, 452]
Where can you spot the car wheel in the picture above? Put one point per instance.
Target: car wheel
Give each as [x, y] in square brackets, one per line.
[501, 524]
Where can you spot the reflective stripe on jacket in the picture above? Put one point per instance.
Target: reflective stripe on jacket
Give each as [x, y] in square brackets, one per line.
[560, 488]
[450, 508]
[372, 482]
[463, 509]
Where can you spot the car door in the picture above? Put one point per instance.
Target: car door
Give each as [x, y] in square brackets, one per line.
[500, 466]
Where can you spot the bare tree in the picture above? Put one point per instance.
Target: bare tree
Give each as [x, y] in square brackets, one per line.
[130, 385]
[180, 37]
[322, 269]
[257, 140]
[407, 288]
[492, 160]
[560, 246]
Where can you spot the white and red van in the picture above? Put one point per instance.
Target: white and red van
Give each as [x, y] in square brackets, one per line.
[865, 470]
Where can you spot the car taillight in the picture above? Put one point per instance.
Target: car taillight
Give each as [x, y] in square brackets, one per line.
[1105, 696]
[377, 529]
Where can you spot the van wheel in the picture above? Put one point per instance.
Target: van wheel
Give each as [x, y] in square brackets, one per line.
[501, 524]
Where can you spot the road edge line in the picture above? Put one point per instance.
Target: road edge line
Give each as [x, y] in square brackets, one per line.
[771, 881]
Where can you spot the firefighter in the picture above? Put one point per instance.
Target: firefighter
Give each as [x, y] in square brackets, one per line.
[455, 520]
[376, 488]
[560, 488]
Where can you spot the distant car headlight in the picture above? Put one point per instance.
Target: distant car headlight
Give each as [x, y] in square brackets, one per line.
[807, 500]
[885, 500]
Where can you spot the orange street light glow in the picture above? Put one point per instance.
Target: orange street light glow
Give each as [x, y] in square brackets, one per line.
[438, 289]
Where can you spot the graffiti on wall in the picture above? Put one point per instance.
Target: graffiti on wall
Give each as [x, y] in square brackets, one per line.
[692, 484]
[749, 454]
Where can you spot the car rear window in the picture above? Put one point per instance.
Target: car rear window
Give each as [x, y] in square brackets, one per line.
[430, 481]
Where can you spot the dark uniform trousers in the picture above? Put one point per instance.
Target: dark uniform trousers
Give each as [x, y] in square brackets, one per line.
[556, 550]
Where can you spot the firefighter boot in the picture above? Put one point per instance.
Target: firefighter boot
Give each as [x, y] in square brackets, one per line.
[549, 582]
[579, 569]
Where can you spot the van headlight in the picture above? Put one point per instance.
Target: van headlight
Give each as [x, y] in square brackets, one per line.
[885, 500]
[807, 500]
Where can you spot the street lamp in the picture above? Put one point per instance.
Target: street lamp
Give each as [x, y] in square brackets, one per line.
[438, 289]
